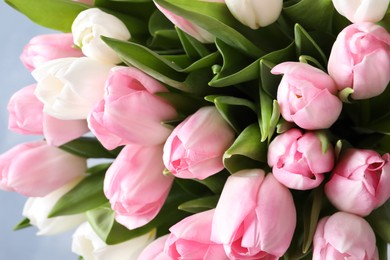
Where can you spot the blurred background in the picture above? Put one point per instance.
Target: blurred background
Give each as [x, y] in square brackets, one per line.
[16, 30]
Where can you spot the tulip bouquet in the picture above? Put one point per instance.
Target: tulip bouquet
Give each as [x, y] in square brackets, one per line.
[228, 129]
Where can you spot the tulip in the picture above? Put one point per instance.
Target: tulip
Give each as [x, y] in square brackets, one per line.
[35, 169]
[255, 216]
[360, 60]
[189, 27]
[344, 236]
[155, 250]
[37, 210]
[190, 239]
[87, 2]
[130, 112]
[255, 13]
[43, 48]
[90, 25]
[358, 11]
[196, 146]
[86, 243]
[360, 181]
[70, 87]
[136, 186]
[297, 159]
[307, 96]
[26, 117]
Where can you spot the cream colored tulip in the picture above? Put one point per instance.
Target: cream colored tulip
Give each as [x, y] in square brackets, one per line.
[362, 10]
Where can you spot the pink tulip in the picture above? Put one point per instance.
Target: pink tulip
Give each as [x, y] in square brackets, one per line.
[130, 112]
[307, 96]
[297, 159]
[360, 181]
[255, 216]
[196, 146]
[47, 47]
[87, 2]
[35, 169]
[360, 59]
[190, 239]
[26, 117]
[344, 236]
[136, 186]
[189, 27]
[155, 250]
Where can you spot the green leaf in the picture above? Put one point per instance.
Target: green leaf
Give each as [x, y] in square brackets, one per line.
[247, 151]
[215, 18]
[215, 182]
[164, 35]
[193, 48]
[382, 248]
[25, 223]
[200, 204]
[183, 103]
[55, 14]
[142, 9]
[238, 112]
[88, 147]
[86, 195]
[379, 220]
[269, 116]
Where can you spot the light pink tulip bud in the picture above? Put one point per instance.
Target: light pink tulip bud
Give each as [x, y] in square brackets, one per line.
[190, 239]
[358, 11]
[43, 48]
[297, 159]
[189, 27]
[26, 117]
[136, 186]
[307, 96]
[35, 169]
[87, 2]
[196, 146]
[25, 112]
[360, 181]
[255, 216]
[344, 236]
[360, 60]
[130, 112]
[155, 250]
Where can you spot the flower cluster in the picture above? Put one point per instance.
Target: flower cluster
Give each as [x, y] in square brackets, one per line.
[231, 129]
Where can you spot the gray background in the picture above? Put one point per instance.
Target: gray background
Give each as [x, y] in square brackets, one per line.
[16, 30]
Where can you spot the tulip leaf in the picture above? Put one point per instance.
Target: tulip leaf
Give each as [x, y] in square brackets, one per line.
[142, 9]
[200, 204]
[247, 151]
[215, 18]
[379, 220]
[237, 112]
[269, 116]
[193, 187]
[183, 103]
[25, 223]
[317, 16]
[55, 14]
[88, 147]
[192, 46]
[86, 195]
[215, 182]
[164, 35]
[311, 215]
[382, 248]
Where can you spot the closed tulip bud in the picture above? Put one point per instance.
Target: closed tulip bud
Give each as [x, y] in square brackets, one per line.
[130, 113]
[90, 25]
[43, 48]
[360, 60]
[362, 11]
[86, 243]
[360, 181]
[37, 210]
[255, 216]
[196, 146]
[307, 96]
[255, 13]
[35, 169]
[136, 186]
[155, 250]
[344, 236]
[70, 87]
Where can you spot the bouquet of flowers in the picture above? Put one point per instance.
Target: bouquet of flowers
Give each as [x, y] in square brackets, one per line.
[227, 129]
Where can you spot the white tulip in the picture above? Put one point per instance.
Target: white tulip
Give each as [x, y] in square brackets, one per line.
[87, 244]
[92, 23]
[70, 87]
[255, 13]
[362, 10]
[36, 210]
